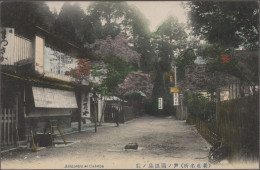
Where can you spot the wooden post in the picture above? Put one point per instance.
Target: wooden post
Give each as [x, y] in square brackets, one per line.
[80, 110]
[12, 125]
[4, 122]
[1, 122]
[95, 112]
[8, 126]
[16, 119]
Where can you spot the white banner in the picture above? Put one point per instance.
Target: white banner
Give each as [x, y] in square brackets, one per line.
[54, 98]
[86, 106]
[175, 99]
[160, 103]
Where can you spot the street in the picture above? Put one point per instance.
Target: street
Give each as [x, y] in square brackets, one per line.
[162, 142]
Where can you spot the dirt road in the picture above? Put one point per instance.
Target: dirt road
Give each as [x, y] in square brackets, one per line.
[163, 143]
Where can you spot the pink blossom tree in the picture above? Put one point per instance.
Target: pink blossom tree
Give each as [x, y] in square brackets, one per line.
[198, 77]
[118, 47]
[136, 82]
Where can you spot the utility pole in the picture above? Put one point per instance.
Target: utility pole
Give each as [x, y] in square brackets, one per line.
[175, 76]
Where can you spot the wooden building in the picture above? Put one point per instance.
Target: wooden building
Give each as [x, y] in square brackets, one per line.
[35, 87]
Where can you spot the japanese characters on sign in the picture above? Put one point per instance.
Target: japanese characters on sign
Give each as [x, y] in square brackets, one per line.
[86, 106]
[175, 99]
[160, 103]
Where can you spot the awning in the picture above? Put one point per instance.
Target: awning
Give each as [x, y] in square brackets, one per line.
[53, 98]
[40, 81]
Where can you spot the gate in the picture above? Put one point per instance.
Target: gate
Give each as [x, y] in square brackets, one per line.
[109, 111]
[9, 124]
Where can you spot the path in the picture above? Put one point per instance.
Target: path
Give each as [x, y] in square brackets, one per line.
[162, 141]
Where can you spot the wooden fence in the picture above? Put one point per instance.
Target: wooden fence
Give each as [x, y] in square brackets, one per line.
[208, 131]
[9, 129]
[238, 124]
[126, 111]
[237, 127]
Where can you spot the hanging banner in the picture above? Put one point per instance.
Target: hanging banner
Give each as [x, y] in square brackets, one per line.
[160, 103]
[86, 106]
[175, 99]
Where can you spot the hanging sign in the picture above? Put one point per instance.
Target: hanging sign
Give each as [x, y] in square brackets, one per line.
[174, 89]
[160, 103]
[86, 106]
[175, 99]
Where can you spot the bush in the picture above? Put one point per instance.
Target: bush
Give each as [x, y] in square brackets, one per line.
[200, 107]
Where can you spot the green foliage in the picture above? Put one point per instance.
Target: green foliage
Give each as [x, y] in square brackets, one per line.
[183, 61]
[69, 23]
[96, 67]
[148, 56]
[96, 74]
[172, 30]
[228, 24]
[212, 55]
[164, 56]
[119, 17]
[117, 71]
[200, 107]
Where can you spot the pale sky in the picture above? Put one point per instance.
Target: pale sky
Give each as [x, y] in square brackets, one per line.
[155, 11]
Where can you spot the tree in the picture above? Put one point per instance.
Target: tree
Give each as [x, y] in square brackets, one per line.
[108, 11]
[172, 30]
[198, 77]
[171, 40]
[110, 14]
[242, 64]
[69, 23]
[92, 29]
[117, 70]
[136, 82]
[228, 24]
[121, 18]
[82, 70]
[183, 61]
[23, 16]
[200, 107]
[118, 47]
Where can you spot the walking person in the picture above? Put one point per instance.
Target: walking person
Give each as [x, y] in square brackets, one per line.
[116, 115]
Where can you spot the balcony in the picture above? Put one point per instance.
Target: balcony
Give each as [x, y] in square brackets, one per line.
[18, 50]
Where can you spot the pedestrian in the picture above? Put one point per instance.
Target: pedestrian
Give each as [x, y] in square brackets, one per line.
[116, 116]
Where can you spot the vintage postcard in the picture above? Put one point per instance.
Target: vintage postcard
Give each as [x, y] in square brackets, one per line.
[129, 84]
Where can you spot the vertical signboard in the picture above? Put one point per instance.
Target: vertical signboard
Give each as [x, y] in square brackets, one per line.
[39, 54]
[160, 103]
[86, 106]
[175, 99]
[8, 45]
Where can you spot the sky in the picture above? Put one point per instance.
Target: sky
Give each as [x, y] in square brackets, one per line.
[155, 11]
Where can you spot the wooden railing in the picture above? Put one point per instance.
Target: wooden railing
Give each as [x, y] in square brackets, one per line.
[9, 127]
[19, 49]
[22, 48]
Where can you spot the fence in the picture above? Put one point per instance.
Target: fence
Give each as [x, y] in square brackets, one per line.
[207, 130]
[237, 122]
[126, 111]
[9, 127]
[237, 127]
